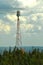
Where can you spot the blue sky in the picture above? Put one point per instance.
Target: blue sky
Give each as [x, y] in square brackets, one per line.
[31, 22]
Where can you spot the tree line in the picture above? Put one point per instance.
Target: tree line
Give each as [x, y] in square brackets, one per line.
[20, 57]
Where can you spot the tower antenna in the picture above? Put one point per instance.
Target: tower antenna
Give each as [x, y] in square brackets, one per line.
[18, 34]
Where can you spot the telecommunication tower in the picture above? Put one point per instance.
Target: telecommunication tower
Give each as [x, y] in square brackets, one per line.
[18, 34]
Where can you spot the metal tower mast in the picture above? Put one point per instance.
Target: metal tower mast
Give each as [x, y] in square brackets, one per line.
[18, 34]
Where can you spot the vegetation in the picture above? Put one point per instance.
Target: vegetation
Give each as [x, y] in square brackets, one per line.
[20, 57]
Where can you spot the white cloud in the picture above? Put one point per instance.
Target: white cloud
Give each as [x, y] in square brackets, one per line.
[37, 14]
[7, 28]
[29, 3]
[26, 27]
[14, 18]
[1, 25]
[34, 18]
[22, 18]
[39, 27]
[11, 17]
[4, 27]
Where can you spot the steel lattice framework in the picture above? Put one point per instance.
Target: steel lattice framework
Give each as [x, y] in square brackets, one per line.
[18, 34]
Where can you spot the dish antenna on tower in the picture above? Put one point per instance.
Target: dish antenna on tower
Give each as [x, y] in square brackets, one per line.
[18, 14]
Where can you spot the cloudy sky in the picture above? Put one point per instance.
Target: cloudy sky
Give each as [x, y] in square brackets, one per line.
[31, 22]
